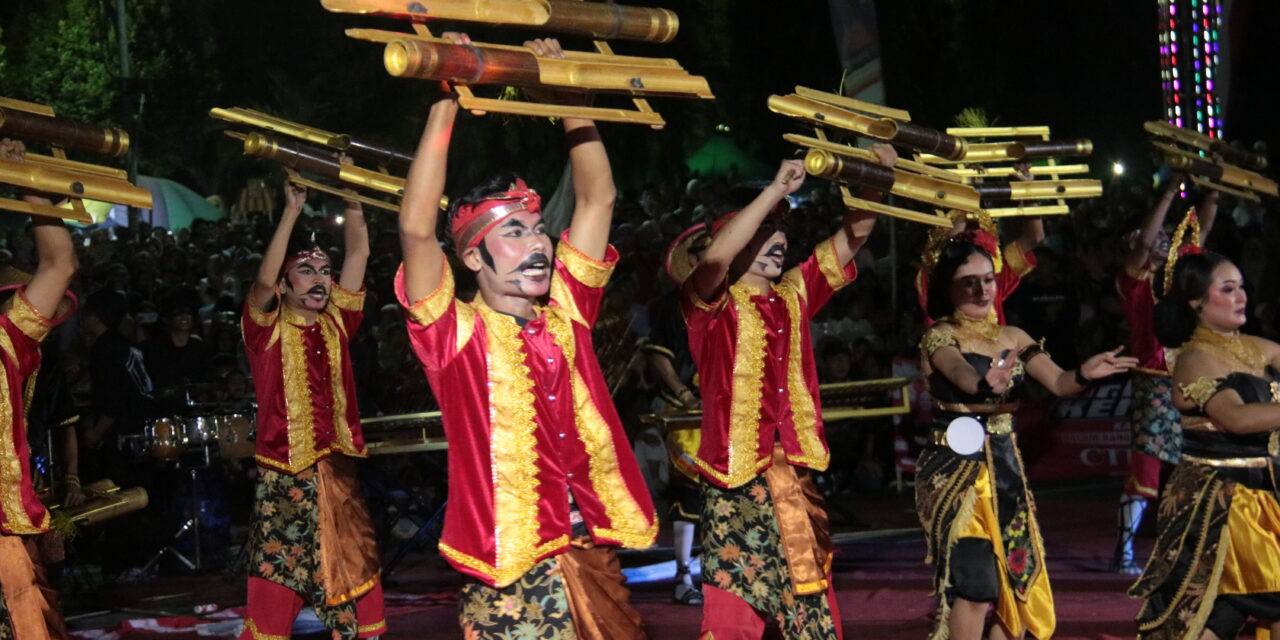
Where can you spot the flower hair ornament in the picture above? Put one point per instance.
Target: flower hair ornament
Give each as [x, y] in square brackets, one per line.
[1181, 245]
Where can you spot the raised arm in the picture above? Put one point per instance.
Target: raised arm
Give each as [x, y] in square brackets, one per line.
[1150, 231]
[355, 244]
[593, 190]
[263, 291]
[857, 224]
[56, 254]
[737, 232]
[1207, 212]
[57, 264]
[423, 258]
[1032, 233]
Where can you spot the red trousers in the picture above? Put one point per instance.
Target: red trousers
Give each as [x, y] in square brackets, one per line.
[727, 617]
[273, 608]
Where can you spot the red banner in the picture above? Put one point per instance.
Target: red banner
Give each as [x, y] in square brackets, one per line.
[1084, 436]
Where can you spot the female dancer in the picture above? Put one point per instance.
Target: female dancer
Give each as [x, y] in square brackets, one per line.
[1217, 556]
[973, 501]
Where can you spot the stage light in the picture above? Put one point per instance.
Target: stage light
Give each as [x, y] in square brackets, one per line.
[1117, 168]
[339, 220]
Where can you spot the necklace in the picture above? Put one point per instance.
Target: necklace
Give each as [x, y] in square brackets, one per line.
[984, 327]
[1234, 345]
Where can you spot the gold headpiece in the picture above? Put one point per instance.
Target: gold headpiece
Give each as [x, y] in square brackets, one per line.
[1176, 248]
[939, 237]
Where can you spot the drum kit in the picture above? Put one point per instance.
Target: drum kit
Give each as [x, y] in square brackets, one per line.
[192, 441]
[172, 438]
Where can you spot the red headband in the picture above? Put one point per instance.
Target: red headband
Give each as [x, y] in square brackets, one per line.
[314, 253]
[474, 221]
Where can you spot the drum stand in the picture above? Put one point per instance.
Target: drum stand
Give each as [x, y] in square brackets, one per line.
[192, 524]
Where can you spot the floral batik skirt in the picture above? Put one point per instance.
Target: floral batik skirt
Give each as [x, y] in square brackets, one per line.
[576, 595]
[311, 534]
[1156, 423]
[743, 554]
[982, 534]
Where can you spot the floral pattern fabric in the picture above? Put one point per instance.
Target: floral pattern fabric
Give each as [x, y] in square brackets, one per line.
[1156, 423]
[535, 607]
[285, 544]
[6, 625]
[742, 554]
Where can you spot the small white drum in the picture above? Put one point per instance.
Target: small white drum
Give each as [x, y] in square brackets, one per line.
[965, 435]
[235, 436]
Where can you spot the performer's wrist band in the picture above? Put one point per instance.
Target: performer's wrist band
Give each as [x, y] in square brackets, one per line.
[1081, 380]
[73, 479]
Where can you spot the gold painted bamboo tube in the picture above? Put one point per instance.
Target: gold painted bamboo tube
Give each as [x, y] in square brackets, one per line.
[300, 157]
[63, 132]
[1039, 190]
[805, 109]
[1225, 174]
[342, 142]
[606, 21]
[599, 20]
[483, 64]
[73, 184]
[825, 164]
[273, 124]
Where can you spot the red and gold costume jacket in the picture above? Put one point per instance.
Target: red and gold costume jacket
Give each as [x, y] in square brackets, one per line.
[302, 376]
[1136, 290]
[23, 328]
[756, 370]
[530, 423]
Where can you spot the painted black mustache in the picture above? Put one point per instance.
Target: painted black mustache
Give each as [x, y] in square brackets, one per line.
[318, 290]
[778, 250]
[532, 261]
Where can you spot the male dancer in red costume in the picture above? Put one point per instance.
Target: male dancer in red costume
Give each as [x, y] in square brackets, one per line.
[28, 607]
[1156, 423]
[766, 545]
[542, 483]
[311, 541]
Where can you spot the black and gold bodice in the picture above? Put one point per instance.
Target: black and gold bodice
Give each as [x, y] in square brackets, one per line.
[979, 344]
[1206, 442]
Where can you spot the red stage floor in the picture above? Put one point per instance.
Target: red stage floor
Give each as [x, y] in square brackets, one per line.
[880, 577]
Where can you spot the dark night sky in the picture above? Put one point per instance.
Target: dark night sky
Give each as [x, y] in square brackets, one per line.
[1088, 68]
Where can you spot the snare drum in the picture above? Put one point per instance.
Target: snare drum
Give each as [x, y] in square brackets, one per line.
[200, 430]
[164, 438]
[235, 436]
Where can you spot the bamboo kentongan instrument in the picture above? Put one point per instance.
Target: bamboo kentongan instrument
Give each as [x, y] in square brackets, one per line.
[940, 193]
[373, 152]
[598, 20]
[917, 137]
[63, 132]
[1229, 152]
